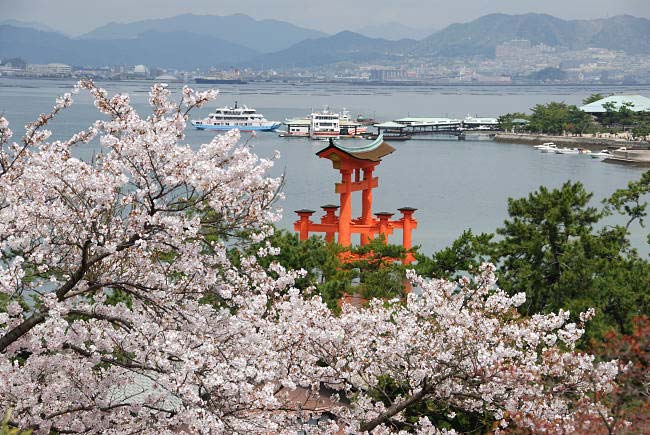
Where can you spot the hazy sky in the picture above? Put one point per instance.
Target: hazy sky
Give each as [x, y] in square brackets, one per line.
[79, 16]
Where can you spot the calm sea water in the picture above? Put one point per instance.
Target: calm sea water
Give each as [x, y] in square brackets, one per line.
[454, 185]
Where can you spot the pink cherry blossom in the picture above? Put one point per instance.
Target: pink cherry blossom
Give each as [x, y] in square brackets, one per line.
[139, 321]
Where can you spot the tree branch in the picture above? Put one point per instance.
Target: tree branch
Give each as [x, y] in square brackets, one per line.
[396, 408]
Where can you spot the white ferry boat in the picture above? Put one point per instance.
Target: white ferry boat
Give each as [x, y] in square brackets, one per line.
[230, 118]
[325, 125]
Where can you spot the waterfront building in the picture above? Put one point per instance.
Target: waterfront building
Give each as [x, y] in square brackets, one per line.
[636, 103]
[49, 70]
[11, 71]
[140, 71]
[388, 74]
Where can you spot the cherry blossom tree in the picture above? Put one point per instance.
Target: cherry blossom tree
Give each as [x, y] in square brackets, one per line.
[462, 344]
[126, 312]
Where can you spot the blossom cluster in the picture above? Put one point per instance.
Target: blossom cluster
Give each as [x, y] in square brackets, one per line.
[127, 312]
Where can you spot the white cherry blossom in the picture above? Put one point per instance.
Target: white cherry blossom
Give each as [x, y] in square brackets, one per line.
[127, 314]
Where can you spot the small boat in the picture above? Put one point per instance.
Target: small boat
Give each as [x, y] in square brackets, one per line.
[545, 145]
[567, 151]
[602, 154]
[550, 148]
[230, 118]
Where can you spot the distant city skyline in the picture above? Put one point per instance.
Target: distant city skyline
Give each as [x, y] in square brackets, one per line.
[76, 17]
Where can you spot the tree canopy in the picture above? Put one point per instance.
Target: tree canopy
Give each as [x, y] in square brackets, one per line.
[556, 118]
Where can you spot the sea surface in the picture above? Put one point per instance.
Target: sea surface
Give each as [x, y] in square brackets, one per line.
[455, 185]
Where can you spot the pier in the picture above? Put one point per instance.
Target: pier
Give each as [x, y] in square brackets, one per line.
[411, 127]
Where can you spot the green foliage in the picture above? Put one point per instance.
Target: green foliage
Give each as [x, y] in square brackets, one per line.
[443, 415]
[506, 121]
[550, 249]
[641, 130]
[554, 248]
[381, 272]
[615, 118]
[464, 255]
[541, 231]
[7, 429]
[117, 296]
[374, 273]
[592, 99]
[556, 118]
[630, 201]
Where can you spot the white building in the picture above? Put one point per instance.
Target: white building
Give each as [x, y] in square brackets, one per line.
[141, 70]
[49, 70]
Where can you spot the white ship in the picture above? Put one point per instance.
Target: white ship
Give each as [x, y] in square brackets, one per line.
[325, 125]
[230, 118]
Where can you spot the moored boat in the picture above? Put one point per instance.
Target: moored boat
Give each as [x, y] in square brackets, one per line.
[325, 125]
[602, 154]
[567, 151]
[349, 127]
[230, 118]
[549, 148]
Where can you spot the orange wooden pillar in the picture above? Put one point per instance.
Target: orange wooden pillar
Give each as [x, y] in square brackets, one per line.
[329, 218]
[345, 215]
[366, 203]
[409, 224]
[384, 228]
[303, 223]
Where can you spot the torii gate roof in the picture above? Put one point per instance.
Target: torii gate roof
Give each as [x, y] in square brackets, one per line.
[373, 151]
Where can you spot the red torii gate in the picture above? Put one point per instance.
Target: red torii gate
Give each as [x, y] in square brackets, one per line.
[349, 161]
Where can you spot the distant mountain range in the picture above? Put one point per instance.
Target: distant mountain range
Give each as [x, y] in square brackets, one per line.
[343, 47]
[182, 50]
[393, 31]
[29, 25]
[481, 36]
[264, 36]
[200, 41]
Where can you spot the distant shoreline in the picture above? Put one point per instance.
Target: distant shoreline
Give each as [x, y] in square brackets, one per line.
[359, 83]
[591, 143]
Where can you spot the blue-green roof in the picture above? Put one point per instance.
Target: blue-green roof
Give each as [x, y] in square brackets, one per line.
[638, 103]
[373, 151]
[363, 148]
[389, 124]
